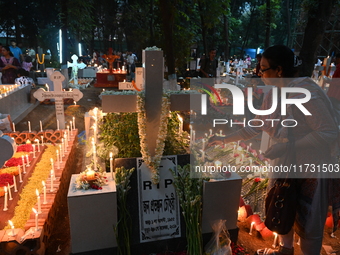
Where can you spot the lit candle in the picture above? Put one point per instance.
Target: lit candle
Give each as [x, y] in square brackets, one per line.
[12, 227]
[71, 126]
[234, 147]
[61, 150]
[37, 140]
[29, 126]
[52, 178]
[47, 87]
[9, 192]
[193, 135]
[33, 150]
[111, 164]
[95, 158]
[74, 123]
[275, 238]
[13, 127]
[58, 161]
[42, 140]
[203, 144]
[250, 145]
[23, 165]
[36, 219]
[44, 190]
[39, 202]
[247, 148]
[68, 133]
[260, 152]
[251, 228]
[62, 146]
[57, 124]
[52, 164]
[90, 175]
[20, 176]
[5, 199]
[15, 184]
[75, 103]
[41, 129]
[27, 160]
[210, 132]
[221, 132]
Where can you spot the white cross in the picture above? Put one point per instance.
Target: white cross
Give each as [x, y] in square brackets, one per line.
[75, 66]
[58, 94]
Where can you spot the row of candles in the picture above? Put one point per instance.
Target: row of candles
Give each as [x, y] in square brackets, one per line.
[71, 127]
[25, 163]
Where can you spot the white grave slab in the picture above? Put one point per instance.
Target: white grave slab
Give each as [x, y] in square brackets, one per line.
[93, 213]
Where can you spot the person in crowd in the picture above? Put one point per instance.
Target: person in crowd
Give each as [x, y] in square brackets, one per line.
[334, 87]
[27, 64]
[315, 143]
[17, 53]
[131, 60]
[0, 49]
[23, 78]
[257, 68]
[209, 65]
[8, 66]
[31, 53]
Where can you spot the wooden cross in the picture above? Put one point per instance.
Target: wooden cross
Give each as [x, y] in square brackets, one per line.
[58, 94]
[75, 66]
[110, 59]
[153, 74]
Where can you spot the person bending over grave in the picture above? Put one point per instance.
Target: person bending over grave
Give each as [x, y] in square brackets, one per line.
[8, 66]
[314, 141]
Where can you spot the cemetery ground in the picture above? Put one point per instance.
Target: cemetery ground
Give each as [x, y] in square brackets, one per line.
[59, 242]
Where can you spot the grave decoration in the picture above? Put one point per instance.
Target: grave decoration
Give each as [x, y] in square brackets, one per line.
[110, 77]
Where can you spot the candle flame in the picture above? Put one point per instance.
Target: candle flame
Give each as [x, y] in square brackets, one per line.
[35, 211]
[37, 192]
[275, 234]
[5, 188]
[111, 154]
[43, 183]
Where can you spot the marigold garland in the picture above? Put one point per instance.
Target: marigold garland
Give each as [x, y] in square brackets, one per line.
[42, 59]
[152, 161]
[28, 197]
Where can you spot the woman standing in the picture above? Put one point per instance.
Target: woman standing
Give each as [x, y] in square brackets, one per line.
[8, 66]
[315, 144]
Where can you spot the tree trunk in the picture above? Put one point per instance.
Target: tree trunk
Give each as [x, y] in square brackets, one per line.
[226, 37]
[204, 29]
[314, 31]
[168, 18]
[268, 21]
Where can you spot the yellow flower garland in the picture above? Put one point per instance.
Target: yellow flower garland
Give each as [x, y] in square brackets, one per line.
[28, 197]
[42, 60]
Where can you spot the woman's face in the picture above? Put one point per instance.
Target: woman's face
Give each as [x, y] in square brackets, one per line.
[4, 51]
[269, 75]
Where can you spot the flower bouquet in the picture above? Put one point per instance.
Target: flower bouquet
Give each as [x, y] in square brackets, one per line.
[90, 179]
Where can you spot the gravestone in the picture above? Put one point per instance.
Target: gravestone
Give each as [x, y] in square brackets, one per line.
[58, 94]
[147, 230]
[75, 66]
